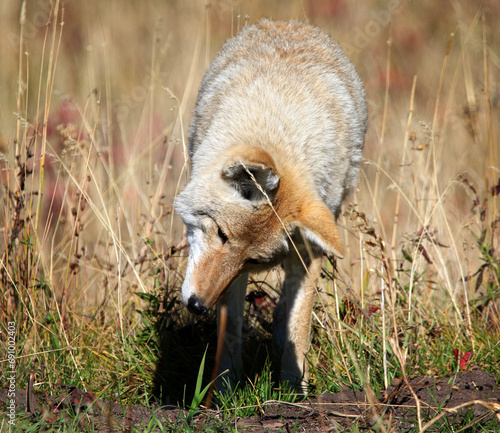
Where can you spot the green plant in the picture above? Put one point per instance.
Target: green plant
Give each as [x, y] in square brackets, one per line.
[199, 394]
[250, 397]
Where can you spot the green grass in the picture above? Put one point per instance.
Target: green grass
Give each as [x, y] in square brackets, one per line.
[249, 398]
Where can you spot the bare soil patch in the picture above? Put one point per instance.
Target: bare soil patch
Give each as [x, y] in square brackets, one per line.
[472, 394]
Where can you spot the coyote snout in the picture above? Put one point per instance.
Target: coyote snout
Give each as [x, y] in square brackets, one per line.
[275, 146]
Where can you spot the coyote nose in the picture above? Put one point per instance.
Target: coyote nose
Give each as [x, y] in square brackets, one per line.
[195, 306]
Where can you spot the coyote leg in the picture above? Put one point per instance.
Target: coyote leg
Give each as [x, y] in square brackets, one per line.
[292, 317]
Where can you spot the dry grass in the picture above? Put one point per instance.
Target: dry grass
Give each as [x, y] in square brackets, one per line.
[96, 100]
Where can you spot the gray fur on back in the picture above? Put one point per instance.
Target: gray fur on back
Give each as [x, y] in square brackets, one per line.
[289, 88]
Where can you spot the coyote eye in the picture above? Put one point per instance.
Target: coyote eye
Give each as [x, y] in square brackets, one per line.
[222, 236]
[253, 262]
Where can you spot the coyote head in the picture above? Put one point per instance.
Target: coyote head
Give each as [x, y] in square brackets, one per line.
[240, 214]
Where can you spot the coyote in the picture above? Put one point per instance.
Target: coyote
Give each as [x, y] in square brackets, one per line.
[275, 146]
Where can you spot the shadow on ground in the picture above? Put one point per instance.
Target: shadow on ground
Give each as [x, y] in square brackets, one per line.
[181, 350]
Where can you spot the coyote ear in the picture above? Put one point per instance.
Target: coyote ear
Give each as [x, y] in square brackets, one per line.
[252, 174]
[318, 226]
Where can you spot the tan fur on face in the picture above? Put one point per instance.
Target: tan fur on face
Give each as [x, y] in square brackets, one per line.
[263, 231]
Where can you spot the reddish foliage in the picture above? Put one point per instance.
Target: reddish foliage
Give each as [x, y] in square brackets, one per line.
[462, 359]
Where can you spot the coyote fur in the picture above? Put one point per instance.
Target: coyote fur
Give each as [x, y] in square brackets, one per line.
[275, 146]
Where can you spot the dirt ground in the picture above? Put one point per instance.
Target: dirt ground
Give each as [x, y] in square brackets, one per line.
[472, 395]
